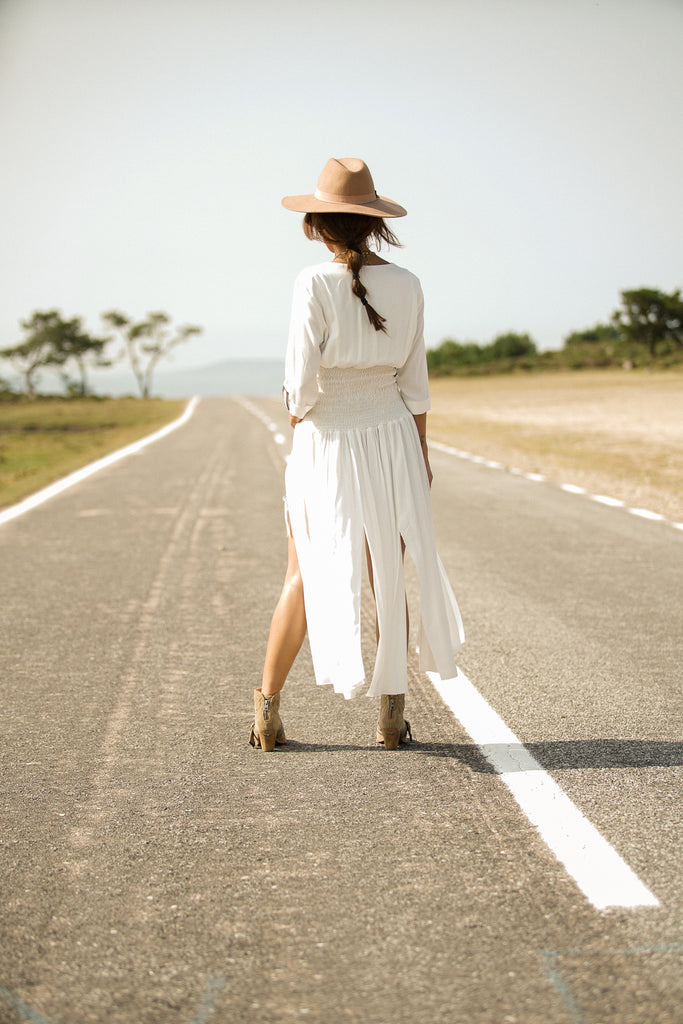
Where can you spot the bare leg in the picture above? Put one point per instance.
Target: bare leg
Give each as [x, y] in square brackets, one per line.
[287, 627]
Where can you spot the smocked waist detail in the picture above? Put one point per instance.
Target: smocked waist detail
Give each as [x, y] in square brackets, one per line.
[351, 397]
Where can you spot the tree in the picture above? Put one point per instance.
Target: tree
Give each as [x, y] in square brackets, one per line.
[451, 354]
[36, 350]
[73, 343]
[147, 342]
[602, 345]
[510, 346]
[53, 341]
[601, 334]
[651, 317]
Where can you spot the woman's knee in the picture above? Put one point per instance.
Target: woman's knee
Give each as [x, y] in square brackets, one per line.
[293, 581]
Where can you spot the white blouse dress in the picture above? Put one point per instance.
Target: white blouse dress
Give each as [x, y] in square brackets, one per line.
[356, 471]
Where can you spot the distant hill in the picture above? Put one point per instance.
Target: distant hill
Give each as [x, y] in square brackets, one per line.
[229, 377]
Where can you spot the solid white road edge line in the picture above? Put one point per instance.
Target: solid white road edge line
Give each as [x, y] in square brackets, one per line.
[603, 499]
[94, 467]
[598, 870]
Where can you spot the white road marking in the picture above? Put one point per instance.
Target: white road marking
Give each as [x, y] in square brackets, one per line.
[605, 500]
[602, 875]
[646, 514]
[569, 488]
[598, 870]
[251, 407]
[94, 467]
[573, 489]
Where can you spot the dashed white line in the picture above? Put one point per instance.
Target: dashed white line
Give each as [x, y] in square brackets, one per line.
[573, 489]
[94, 467]
[251, 407]
[646, 514]
[603, 499]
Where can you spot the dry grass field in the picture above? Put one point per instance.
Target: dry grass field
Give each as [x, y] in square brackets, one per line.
[43, 440]
[613, 432]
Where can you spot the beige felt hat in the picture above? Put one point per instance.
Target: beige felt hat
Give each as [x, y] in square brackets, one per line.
[345, 185]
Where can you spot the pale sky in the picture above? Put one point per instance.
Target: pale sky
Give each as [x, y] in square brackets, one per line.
[536, 145]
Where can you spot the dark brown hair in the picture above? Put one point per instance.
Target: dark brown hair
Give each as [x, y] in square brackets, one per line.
[353, 230]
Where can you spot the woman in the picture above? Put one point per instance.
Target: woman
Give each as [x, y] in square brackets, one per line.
[358, 476]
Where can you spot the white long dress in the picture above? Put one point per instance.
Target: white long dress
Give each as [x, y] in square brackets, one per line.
[356, 471]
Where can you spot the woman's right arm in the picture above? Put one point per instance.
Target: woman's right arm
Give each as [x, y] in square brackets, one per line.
[413, 379]
[421, 424]
[412, 375]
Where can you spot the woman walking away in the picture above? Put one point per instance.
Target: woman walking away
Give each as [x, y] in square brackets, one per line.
[358, 477]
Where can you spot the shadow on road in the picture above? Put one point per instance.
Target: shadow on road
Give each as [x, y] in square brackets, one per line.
[556, 755]
[601, 753]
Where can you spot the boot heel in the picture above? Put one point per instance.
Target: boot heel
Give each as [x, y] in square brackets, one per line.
[391, 738]
[267, 741]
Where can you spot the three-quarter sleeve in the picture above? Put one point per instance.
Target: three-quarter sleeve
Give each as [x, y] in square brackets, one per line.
[307, 336]
[412, 376]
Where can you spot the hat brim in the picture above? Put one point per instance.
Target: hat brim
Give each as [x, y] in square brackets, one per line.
[380, 207]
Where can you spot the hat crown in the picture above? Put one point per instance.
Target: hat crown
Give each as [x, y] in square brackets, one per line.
[346, 177]
[345, 185]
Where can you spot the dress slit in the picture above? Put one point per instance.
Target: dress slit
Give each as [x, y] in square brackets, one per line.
[356, 475]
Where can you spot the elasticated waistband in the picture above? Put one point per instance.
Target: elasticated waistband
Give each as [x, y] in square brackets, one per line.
[350, 398]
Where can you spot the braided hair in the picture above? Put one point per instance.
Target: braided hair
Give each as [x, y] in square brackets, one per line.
[352, 230]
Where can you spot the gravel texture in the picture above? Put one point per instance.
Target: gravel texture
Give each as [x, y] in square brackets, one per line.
[155, 868]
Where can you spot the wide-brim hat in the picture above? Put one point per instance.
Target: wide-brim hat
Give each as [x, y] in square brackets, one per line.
[345, 185]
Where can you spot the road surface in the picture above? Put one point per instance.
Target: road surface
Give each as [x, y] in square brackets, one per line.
[156, 868]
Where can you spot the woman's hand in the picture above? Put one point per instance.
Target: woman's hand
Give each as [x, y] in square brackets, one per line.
[425, 453]
[293, 420]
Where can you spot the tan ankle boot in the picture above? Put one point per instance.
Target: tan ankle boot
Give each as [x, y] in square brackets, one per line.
[392, 727]
[267, 729]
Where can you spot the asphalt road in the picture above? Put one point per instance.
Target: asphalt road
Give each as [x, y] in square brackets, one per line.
[155, 868]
